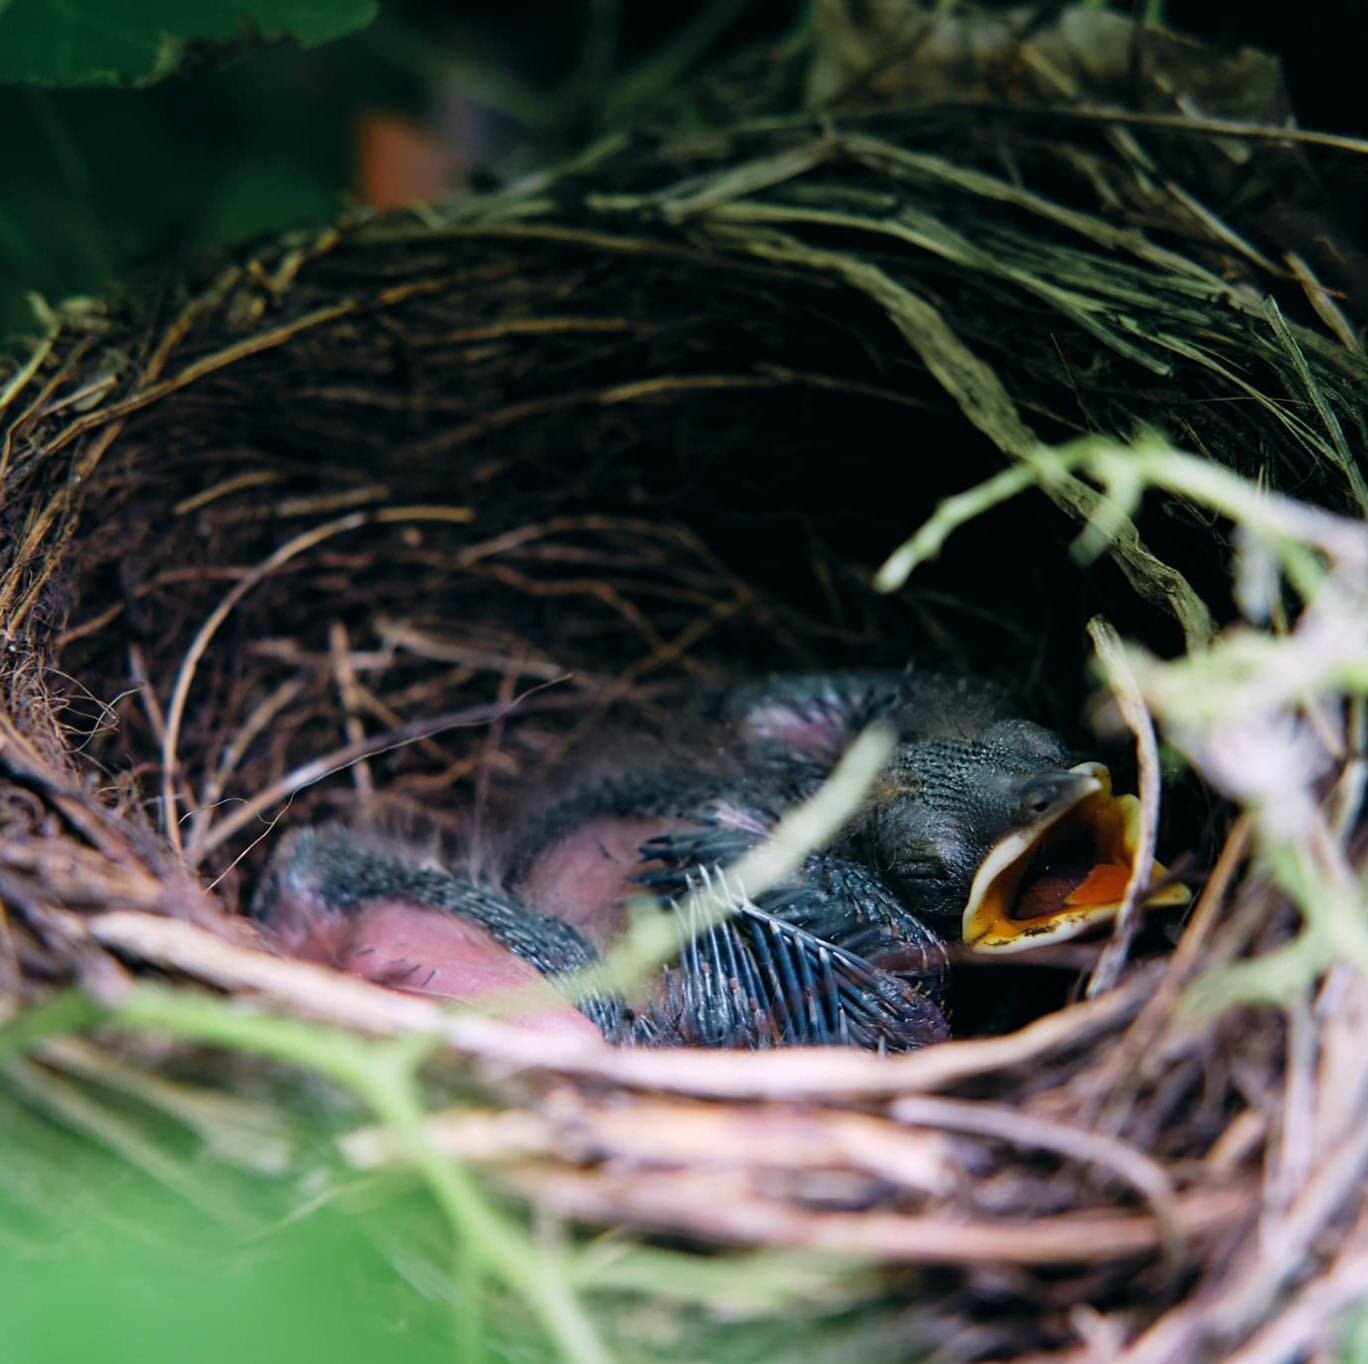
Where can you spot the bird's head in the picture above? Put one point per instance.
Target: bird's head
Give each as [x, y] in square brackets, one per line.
[1006, 835]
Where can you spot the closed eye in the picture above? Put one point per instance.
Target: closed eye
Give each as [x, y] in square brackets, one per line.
[922, 868]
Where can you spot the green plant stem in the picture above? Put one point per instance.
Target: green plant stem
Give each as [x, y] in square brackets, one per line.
[1293, 529]
[383, 1075]
[65, 1013]
[947, 518]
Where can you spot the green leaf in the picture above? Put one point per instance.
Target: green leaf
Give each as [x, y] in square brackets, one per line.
[136, 42]
[99, 184]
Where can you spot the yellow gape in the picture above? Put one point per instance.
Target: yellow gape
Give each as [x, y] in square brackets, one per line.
[1053, 879]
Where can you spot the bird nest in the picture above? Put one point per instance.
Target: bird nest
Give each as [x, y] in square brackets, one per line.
[376, 523]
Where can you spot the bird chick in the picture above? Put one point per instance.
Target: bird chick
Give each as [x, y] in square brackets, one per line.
[850, 950]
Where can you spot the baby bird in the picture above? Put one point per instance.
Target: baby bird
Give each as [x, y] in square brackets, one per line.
[978, 828]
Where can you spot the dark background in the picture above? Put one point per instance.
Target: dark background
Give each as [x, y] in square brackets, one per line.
[100, 182]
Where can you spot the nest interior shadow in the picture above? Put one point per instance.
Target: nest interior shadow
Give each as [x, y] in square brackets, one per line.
[375, 523]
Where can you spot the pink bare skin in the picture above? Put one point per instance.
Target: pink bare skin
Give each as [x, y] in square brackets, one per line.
[423, 951]
[585, 877]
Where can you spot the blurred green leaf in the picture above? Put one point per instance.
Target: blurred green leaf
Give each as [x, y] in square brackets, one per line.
[1354, 1338]
[100, 184]
[98, 1261]
[136, 42]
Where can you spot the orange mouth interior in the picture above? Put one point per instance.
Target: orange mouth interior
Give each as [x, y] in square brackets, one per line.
[1053, 882]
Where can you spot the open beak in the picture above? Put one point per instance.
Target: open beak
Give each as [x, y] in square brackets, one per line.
[1065, 871]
